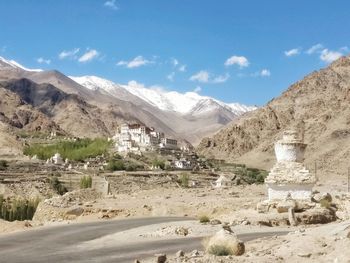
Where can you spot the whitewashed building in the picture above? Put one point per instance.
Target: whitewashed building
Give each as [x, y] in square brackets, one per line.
[289, 177]
[57, 159]
[137, 137]
[183, 164]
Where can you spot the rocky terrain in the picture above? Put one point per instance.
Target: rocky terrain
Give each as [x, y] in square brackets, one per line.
[317, 106]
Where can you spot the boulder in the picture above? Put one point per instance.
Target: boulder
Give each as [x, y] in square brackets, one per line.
[161, 258]
[75, 210]
[317, 216]
[215, 222]
[182, 231]
[180, 254]
[283, 206]
[227, 239]
[319, 198]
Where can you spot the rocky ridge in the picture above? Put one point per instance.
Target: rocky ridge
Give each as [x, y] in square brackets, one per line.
[317, 106]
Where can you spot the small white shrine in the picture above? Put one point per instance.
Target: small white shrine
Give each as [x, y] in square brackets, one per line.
[57, 159]
[289, 177]
[222, 181]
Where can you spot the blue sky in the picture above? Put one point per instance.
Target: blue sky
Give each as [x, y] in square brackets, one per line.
[236, 51]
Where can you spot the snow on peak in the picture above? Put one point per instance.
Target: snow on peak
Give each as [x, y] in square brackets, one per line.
[183, 103]
[94, 83]
[13, 64]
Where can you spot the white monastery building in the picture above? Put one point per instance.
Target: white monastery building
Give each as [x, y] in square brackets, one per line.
[138, 138]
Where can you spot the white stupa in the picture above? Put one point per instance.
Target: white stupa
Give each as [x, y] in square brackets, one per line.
[289, 177]
[57, 159]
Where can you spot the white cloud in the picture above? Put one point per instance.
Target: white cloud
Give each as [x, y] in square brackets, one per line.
[204, 76]
[171, 76]
[69, 53]
[197, 89]
[175, 62]
[43, 61]
[241, 61]
[314, 49]
[221, 78]
[135, 84]
[135, 63]
[329, 56]
[265, 73]
[201, 76]
[292, 52]
[89, 55]
[111, 4]
[182, 68]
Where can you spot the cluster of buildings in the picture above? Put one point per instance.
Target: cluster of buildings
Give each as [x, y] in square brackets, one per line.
[139, 138]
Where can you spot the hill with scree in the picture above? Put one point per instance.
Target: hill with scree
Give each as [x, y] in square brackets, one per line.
[317, 106]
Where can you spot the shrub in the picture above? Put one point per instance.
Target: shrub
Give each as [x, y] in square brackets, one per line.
[18, 209]
[159, 163]
[131, 167]
[220, 250]
[86, 182]
[73, 150]
[58, 186]
[184, 180]
[204, 219]
[115, 165]
[3, 165]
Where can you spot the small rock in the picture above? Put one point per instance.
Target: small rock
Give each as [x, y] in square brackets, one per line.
[245, 223]
[283, 206]
[304, 255]
[182, 231]
[215, 222]
[161, 258]
[180, 254]
[195, 253]
[76, 211]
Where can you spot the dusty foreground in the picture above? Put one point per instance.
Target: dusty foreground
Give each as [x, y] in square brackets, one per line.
[327, 243]
[234, 207]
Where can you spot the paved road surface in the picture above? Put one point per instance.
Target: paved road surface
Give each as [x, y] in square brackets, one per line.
[49, 244]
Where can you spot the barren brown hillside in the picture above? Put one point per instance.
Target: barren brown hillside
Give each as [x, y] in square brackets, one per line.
[317, 105]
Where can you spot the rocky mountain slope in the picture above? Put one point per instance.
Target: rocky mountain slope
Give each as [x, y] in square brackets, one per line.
[317, 106]
[109, 104]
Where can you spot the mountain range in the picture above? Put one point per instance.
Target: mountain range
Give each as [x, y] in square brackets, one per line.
[317, 106]
[92, 106]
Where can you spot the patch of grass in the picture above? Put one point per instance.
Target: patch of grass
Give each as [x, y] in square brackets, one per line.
[159, 163]
[220, 250]
[204, 219]
[115, 165]
[17, 209]
[184, 180]
[86, 182]
[73, 150]
[32, 134]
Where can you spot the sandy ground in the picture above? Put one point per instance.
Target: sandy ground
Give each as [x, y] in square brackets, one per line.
[234, 206]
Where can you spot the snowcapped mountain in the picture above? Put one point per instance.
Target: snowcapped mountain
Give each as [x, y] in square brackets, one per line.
[189, 103]
[99, 105]
[11, 64]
